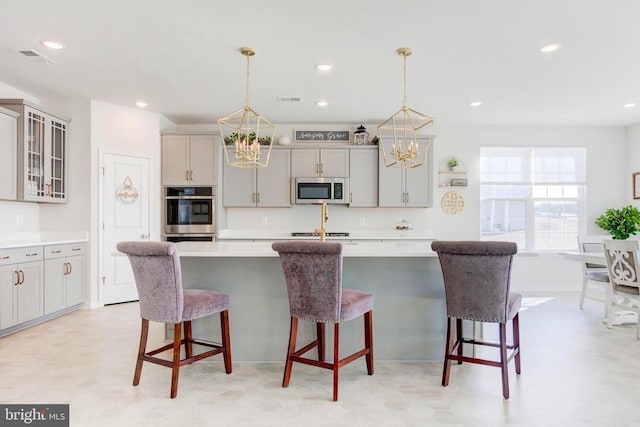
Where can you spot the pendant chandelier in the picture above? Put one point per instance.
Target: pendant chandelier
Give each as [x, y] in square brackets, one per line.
[248, 136]
[403, 136]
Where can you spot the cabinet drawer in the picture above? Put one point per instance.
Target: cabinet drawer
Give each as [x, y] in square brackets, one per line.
[64, 250]
[20, 255]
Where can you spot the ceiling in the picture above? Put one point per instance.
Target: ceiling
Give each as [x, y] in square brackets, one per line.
[182, 58]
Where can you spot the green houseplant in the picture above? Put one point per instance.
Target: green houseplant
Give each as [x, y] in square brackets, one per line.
[452, 163]
[621, 223]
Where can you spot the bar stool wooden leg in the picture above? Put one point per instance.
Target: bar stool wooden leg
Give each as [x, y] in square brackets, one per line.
[320, 337]
[368, 340]
[459, 338]
[503, 360]
[516, 341]
[144, 333]
[336, 359]
[188, 339]
[293, 332]
[447, 351]
[226, 340]
[175, 366]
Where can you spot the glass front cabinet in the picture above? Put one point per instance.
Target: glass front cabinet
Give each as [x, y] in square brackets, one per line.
[42, 148]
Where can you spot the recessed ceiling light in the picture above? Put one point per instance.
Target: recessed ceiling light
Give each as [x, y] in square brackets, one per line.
[324, 67]
[322, 103]
[475, 104]
[141, 104]
[630, 105]
[52, 44]
[550, 48]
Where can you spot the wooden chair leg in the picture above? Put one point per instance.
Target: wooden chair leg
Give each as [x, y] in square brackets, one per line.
[175, 366]
[188, 339]
[503, 360]
[368, 340]
[336, 359]
[226, 340]
[293, 332]
[447, 351]
[516, 341]
[320, 337]
[459, 338]
[144, 333]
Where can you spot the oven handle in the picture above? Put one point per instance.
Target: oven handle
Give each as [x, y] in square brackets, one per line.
[189, 197]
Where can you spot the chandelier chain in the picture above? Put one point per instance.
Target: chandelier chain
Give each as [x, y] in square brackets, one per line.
[246, 100]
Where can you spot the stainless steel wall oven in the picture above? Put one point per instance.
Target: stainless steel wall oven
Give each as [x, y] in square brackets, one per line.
[189, 213]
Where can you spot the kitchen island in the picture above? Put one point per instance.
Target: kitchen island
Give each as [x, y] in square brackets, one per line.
[403, 276]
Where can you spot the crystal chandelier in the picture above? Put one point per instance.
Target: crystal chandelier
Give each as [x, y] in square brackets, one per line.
[245, 132]
[403, 136]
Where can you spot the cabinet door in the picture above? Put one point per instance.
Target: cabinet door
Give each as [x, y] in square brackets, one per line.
[54, 284]
[75, 281]
[30, 292]
[418, 187]
[238, 187]
[305, 162]
[390, 185]
[334, 162]
[56, 163]
[8, 157]
[363, 178]
[175, 159]
[34, 177]
[273, 182]
[8, 296]
[202, 160]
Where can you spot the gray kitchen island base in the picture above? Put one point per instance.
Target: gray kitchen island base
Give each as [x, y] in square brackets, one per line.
[409, 312]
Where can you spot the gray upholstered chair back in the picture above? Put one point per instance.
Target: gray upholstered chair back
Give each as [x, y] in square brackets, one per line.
[313, 272]
[622, 263]
[476, 278]
[156, 268]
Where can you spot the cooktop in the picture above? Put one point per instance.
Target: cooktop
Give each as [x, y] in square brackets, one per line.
[311, 233]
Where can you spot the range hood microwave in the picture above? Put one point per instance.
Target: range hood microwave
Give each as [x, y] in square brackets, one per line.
[315, 190]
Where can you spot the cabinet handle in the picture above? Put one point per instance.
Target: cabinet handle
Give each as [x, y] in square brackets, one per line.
[17, 277]
[5, 257]
[321, 167]
[20, 277]
[32, 254]
[56, 252]
[66, 268]
[350, 197]
[186, 175]
[70, 268]
[76, 249]
[407, 197]
[317, 168]
[253, 197]
[258, 197]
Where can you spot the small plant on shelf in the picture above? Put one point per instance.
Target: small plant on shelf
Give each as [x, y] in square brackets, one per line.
[452, 163]
[620, 223]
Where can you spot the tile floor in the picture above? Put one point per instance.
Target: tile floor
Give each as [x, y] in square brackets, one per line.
[575, 372]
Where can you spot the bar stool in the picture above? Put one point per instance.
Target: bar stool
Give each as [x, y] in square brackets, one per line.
[156, 268]
[476, 282]
[313, 273]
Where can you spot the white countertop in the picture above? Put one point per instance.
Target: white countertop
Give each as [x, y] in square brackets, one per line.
[263, 249]
[21, 240]
[360, 234]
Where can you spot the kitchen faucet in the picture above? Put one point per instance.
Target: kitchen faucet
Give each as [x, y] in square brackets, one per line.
[322, 231]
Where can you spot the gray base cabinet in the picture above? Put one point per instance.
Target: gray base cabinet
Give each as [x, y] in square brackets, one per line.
[64, 274]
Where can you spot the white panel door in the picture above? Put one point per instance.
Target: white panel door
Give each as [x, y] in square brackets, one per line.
[125, 216]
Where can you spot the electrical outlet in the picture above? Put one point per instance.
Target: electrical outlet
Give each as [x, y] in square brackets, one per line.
[19, 219]
[363, 220]
[265, 220]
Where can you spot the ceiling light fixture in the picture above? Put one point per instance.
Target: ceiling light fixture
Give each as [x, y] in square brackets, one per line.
[403, 136]
[322, 103]
[550, 48]
[324, 67]
[475, 104]
[52, 44]
[630, 105]
[141, 104]
[241, 129]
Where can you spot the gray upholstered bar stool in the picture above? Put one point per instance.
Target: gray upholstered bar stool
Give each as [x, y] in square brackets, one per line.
[476, 281]
[313, 272]
[156, 268]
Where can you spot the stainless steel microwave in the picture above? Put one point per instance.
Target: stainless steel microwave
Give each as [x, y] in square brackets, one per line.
[316, 190]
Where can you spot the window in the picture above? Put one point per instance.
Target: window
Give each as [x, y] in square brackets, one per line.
[533, 196]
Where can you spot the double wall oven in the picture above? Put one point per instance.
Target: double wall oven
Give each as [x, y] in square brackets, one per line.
[189, 214]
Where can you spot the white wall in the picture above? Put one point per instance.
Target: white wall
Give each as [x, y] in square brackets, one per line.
[633, 160]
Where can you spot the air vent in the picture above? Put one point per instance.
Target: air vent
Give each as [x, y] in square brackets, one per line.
[35, 56]
[289, 99]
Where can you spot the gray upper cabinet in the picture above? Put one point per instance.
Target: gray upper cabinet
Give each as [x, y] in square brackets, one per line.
[8, 154]
[328, 162]
[258, 187]
[363, 177]
[188, 159]
[411, 187]
[42, 153]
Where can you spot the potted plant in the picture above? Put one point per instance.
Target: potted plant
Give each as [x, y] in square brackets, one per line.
[620, 223]
[452, 163]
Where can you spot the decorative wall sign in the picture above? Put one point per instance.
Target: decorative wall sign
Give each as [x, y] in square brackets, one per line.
[322, 135]
[452, 203]
[458, 182]
[636, 185]
[126, 193]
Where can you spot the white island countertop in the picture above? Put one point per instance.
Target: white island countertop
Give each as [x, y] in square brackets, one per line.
[263, 249]
[359, 234]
